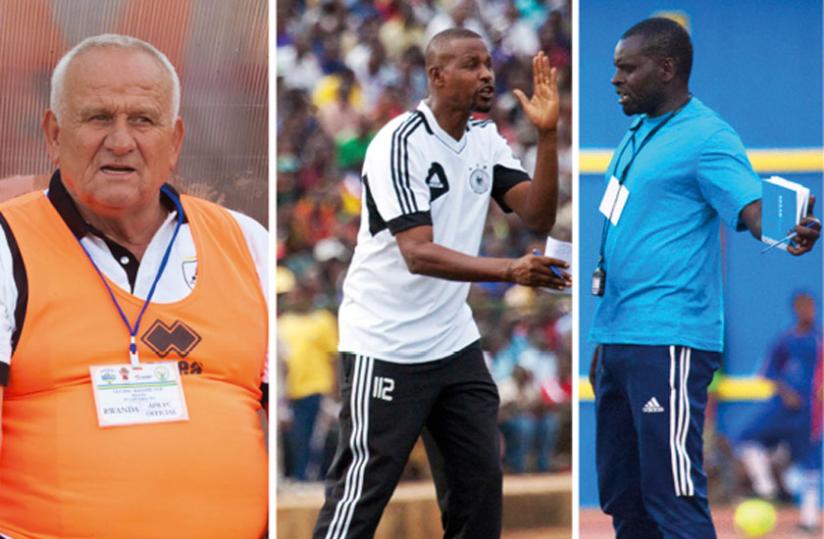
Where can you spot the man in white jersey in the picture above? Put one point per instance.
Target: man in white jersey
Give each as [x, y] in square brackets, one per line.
[410, 352]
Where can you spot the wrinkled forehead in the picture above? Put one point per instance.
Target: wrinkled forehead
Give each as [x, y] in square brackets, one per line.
[106, 70]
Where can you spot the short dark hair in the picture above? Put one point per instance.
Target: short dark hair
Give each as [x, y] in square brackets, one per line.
[664, 37]
[441, 40]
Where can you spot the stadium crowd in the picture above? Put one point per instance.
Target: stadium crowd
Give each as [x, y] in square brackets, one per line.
[344, 68]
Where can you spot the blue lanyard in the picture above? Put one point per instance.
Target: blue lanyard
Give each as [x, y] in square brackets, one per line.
[133, 358]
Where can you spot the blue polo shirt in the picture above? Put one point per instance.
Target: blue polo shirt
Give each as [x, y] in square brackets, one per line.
[663, 259]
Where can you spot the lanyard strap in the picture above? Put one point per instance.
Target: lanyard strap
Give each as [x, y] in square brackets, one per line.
[133, 357]
[625, 173]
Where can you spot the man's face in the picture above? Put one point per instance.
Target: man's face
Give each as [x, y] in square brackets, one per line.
[804, 307]
[468, 80]
[637, 77]
[116, 142]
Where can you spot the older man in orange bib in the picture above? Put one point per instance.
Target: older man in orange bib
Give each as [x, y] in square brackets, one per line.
[132, 324]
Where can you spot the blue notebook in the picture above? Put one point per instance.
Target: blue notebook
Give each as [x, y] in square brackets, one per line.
[783, 204]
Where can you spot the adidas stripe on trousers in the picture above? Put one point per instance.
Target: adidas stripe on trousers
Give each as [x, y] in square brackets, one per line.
[649, 405]
[385, 408]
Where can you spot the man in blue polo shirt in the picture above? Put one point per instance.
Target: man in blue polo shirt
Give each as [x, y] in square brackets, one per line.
[659, 324]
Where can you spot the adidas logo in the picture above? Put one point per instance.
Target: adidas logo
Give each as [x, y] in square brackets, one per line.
[652, 407]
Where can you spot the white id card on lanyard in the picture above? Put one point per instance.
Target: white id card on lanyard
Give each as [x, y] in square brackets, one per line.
[134, 393]
[129, 395]
[615, 198]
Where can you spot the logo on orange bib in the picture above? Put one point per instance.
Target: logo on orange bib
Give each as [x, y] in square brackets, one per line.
[178, 337]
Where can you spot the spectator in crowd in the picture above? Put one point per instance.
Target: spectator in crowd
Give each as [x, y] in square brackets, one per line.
[462, 14]
[534, 388]
[375, 74]
[300, 63]
[310, 338]
[402, 30]
[518, 37]
[339, 118]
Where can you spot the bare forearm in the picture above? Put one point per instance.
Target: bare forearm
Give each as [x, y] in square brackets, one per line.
[436, 260]
[751, 217]
[425, 257]
[541, 204]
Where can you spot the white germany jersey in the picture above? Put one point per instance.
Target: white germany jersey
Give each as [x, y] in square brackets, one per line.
[416, 174]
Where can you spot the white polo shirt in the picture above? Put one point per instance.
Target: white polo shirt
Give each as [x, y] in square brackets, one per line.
[416, 174]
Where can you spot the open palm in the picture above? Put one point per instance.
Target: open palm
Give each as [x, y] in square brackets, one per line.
[542, 109]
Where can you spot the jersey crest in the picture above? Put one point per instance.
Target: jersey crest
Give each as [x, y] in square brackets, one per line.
[479, 180]
[189, 267]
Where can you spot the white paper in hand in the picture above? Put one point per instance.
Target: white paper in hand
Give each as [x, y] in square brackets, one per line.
[560, 250]
[783, 205]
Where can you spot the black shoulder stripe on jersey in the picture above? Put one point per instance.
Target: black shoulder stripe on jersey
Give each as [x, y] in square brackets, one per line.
[397, 184]
[410, 220]
[420, 120]
[477, 122]
[504, 179]
[425, 122]
[21, 282]
[400, 163]
[404, 154]
[376, 222]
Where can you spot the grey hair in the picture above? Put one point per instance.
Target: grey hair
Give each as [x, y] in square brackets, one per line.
[56, 99]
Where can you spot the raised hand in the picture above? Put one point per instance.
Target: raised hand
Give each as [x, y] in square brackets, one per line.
[543, 108]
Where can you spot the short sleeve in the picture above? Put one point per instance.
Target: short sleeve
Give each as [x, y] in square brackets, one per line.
[395, 170]
[8, 303]
[257, 239]
[726, 178]
[507, 171]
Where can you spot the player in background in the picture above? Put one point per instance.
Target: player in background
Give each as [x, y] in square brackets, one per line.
[792, 416]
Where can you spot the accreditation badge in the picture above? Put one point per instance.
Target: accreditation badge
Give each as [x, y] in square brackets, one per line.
[615, 198]
[133, 395]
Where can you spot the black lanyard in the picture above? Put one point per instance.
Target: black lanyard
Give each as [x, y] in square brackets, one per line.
[625, 173]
